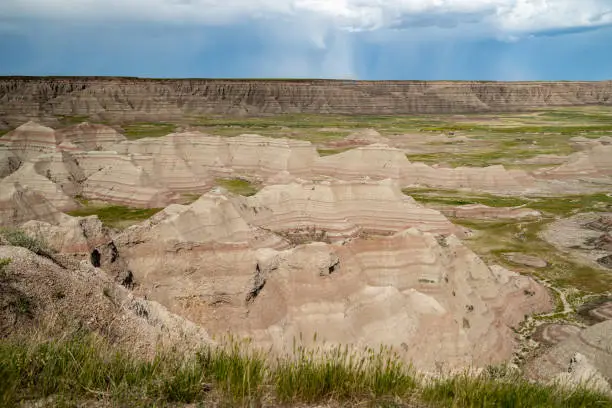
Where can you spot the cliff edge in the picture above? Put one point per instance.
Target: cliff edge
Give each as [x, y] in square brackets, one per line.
[128, 99]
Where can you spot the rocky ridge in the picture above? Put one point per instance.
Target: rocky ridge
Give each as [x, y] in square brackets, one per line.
[134, 99]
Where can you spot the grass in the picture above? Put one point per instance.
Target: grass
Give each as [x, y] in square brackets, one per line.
[567, 205]
[561, 206]
[453, 197]
[141, 130]
[116, 216]
[4, 262]
[188, 198]
[484, 391]
[17, 237]
[237, 186]
[83, 367]
[329, 152]
[68, 120]
[499, 237]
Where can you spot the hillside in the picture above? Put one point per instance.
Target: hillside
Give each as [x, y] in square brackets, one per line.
[133, 99]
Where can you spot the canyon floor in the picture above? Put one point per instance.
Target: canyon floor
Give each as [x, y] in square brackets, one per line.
[440, 244]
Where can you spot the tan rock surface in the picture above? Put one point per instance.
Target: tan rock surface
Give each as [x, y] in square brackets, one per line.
[382, 161]
[87, 296]
[551, 334]
[28, 177]
[360, 138]
[594, 343]
[577, 236]
[592, 163]
[30, 140]
[213, 263]
[88, 136]
[9, 161]
[77, 239]
[341, 209]
[241, 155]
[128, 184]
[526, 260]
[19, 204]
[63, 169]
[155, 100]
[481, 211]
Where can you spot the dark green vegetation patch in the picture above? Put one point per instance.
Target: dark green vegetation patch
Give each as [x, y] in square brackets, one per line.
[498, 237]
[116, 216]
[148, 129]
[237, 186]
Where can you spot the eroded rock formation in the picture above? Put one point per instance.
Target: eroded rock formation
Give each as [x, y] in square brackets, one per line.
[153, 100]
[355, 273]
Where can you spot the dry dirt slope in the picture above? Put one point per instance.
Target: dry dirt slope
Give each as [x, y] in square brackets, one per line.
[154, 99]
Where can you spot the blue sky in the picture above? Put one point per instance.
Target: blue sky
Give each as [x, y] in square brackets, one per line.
[357, 39]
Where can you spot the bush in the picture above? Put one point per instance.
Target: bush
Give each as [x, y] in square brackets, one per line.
[17, 237]
[4, 262]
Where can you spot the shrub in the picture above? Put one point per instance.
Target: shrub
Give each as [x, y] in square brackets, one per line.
[17, 237]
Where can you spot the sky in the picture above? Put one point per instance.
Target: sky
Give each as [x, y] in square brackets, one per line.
[349, 39]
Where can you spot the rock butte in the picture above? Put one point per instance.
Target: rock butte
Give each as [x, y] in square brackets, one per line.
[228, 273]
[137, 99]
[154, 172]
[329, 245]
[144, 325]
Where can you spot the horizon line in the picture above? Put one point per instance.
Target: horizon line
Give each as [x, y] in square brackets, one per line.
[297, 79]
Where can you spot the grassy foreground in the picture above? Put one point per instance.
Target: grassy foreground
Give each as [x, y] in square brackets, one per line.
[84, 368]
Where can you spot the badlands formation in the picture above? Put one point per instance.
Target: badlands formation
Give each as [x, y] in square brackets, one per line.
[134, 99]
[329, 250]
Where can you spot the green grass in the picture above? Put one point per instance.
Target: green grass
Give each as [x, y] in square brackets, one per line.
[565, 206]
[561, 206]
[116, 216]
[82, 367]
[141, 130]
[4, 262]
[68, 120]
[329, 152]
[499, 237]
[17, 237]
[483, 391]
[453, 197]
[237, 186]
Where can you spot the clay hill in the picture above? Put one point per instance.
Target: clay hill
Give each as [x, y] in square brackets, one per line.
[126, 99]
[328, 245]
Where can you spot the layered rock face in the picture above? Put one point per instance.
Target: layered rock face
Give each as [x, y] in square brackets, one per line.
[381, 161]
[89, 136]
[480, 211]
[593, 163]
[329, 245]
[77, 239]
[246, 154]
[590, 346]
[341, 209]
[87, 296]
[219, 263]
[19, 204]
[153, 100]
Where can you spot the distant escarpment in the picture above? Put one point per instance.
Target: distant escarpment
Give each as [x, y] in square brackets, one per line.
[128, 99]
